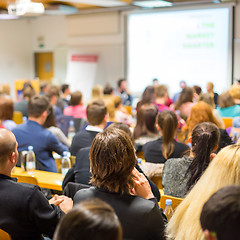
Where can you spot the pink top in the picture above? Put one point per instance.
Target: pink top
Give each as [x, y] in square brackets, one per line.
[78, 111]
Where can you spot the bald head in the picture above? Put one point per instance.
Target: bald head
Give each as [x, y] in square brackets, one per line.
[7, 145]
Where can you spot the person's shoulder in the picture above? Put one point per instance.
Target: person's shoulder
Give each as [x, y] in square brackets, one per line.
[19, 128]
[84, 194]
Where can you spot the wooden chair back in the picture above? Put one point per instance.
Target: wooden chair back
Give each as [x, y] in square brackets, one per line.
[228, 122]
[4, 235]
[17, 117]
[28, 179]
[129, 109]
[157, 181]
[175, 201]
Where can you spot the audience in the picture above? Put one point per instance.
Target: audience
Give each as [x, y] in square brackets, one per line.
[165, 147]
[25, 212]
[6, 113]
[227, 106]
[76, 107]
[222, 171]
[180, 174]
[145, 129]
[117, 182]
[33, 133]
[211, 92]
[161, 97]
[97, 119]
[220, 215]
[90, 220]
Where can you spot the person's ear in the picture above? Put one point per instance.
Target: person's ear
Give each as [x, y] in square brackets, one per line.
[13, 157]
[209, 235]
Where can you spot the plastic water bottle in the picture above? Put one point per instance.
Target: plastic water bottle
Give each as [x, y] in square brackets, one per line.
[71, 129]
[30, 160]
[66, 163]
[168, 211]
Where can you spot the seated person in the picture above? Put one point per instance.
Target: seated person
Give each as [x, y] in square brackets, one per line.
[165, 147]
[220, 215]
[117, 182]
[90, 220]
[24, 211]
[65, 97]
[97, 118]
[33, 133]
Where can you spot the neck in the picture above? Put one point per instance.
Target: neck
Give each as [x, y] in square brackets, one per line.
[38, 120]
[6, 171]
[102, 125]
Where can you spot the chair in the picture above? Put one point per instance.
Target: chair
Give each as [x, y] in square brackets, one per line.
[17, 117]
[27, 179]
[158, 182]
[129, 109]
[175, 201]
[64, 123]
[4, 235]
[79, 123]
[228, 122]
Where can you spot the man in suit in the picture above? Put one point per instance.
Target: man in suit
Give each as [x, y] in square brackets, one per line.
[33, 133]
[97, 118]
[24, 211]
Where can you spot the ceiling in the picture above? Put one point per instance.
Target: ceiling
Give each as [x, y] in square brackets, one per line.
[83, 6]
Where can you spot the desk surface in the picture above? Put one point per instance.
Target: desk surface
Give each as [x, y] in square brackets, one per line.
[45, 179]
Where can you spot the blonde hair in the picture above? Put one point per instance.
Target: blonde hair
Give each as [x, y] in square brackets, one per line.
[235, 91]
[97, 91]
[224, 170]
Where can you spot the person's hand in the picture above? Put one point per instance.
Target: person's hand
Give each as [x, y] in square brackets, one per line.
[141, 185]
[66, 205]
[56, 200]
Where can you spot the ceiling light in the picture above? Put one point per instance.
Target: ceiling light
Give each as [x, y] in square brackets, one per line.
[6, 16]
[152, 4]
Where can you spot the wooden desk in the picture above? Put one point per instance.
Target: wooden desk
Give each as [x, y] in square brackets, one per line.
[45, 179]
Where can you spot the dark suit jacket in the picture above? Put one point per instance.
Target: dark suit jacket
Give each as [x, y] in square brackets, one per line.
[24, 212]
[81, 140]
[141, 219]
[82, 171]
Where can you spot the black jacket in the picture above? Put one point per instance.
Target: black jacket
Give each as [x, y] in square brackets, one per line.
[24, 211]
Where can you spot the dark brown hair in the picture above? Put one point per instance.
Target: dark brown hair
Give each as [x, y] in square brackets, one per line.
[90, 220]
[225, 100]
[112, 159]
[167, 121]
[185, 96]
[96, 111]
[147, 96]
[146, 121]
[29, 92]
[53, 91]
[6, 108]
[37, 105]
[107, 89]
[123, 127]
[76, 98]
[50, 120]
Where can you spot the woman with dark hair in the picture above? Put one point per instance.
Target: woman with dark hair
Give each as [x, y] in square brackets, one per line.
[185, 102]
[181, 174]
[117, 182]
[6, 113]
[51, 125]
[147, 97]
[90, 220]
[76, 108]
[165, 147]
[145, 129]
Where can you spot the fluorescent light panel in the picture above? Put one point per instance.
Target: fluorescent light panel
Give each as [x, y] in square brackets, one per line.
[152, 4]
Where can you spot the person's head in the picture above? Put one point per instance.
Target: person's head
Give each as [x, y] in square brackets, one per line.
[161, 91]
[76, 98]
[38, 106]
[197, 89]
[96, 112]
[65, 89]
[220, 215]
[6, 108]
[146, 121]
[222, 171]
[5, 89]
[155, 82]
[90, 220]
[123, 127]
[97, 91]
[225, 100]
[183, 84]
[112, 159]
[210, 87]
[53, 94]
[108, 90]
[122, 84]
[205, 97]
[235, 91]
[167, 123]
[200, 112]
[185, 96]
[50, 120]
[8, 150]
[28, 92]
[204, 140]
[148, 95]
[44, 87]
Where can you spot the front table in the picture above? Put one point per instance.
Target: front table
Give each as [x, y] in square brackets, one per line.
[45, 179]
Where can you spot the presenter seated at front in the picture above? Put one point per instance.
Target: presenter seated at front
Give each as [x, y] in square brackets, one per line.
[33, 133]
[117, 182]
[24, 211]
